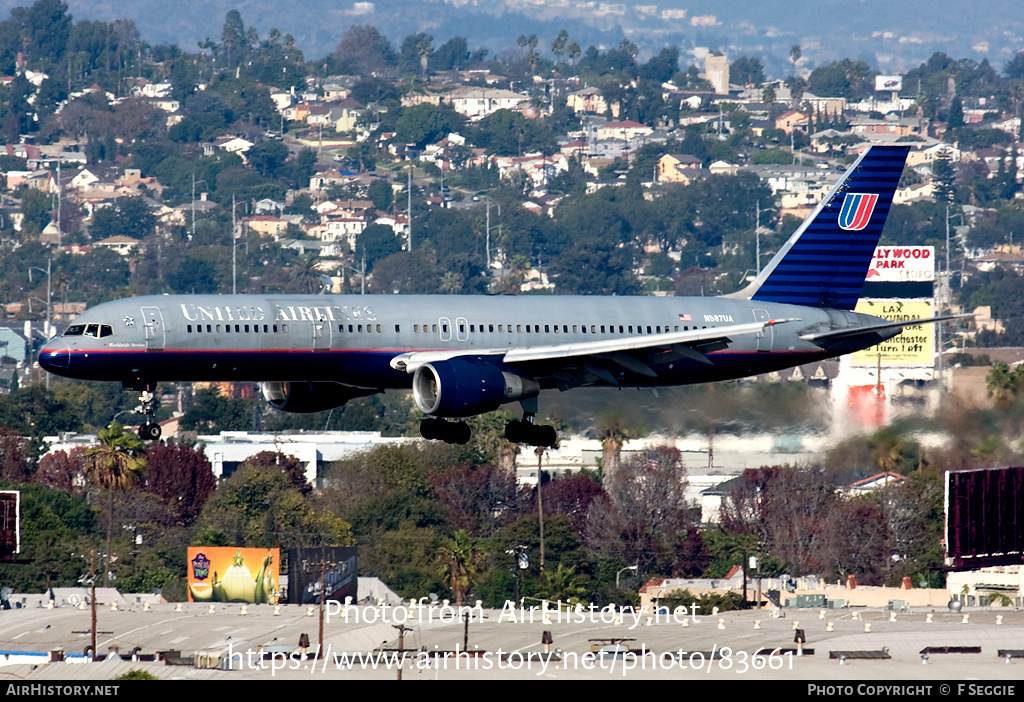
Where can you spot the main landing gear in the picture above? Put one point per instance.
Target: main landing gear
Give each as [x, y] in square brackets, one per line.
[524, 431]
[148, 403]
[517, 431]
[449, 432]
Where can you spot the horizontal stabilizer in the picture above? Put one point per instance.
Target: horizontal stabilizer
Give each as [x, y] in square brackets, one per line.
[837, 334]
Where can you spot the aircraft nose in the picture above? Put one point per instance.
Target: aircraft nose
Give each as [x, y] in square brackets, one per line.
[55, 357]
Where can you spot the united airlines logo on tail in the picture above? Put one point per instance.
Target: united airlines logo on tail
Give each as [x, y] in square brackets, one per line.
[856, 212]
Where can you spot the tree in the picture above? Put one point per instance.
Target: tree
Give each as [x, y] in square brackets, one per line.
[530, 44]
[460, 559]
[258, 506]
[645, 517]
[115, 465]
[943, 175]
[559, 44]
[181, 476]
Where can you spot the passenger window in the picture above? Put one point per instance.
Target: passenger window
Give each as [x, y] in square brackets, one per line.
[359, 328]
[547, 329]
[379, 329]
[227, 328]
[490, 328]
[574, 329]
[416, 328]
[397, 330]
[209, 328]
[188, 328]
[648, 329]
[519, 328]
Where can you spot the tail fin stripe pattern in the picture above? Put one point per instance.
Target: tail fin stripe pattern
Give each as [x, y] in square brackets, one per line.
[825, 262]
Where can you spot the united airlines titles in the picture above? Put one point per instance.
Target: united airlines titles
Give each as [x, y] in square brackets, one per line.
[279, 313]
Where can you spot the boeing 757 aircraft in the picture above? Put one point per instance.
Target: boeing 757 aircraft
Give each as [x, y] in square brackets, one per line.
[468, 355]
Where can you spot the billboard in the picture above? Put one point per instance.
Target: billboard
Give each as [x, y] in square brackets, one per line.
[985, 517]
[336, 563]
[902, 264]
[914, 346]
[888, 84]
[229, 574]
[901, 272]
[10, 524]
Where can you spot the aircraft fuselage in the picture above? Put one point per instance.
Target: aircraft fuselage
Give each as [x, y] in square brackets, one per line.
[352, 339]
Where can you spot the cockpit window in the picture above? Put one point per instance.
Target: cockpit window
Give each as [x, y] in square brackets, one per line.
[95, 330]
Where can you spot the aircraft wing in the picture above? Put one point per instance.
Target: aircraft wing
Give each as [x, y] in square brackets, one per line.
[593, 358]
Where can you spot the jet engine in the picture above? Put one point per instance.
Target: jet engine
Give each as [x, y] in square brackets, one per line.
[305, 396]
[463, 388]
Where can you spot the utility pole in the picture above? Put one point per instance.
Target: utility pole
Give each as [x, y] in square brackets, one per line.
[409, 206]
[540, 502]
[234, 268]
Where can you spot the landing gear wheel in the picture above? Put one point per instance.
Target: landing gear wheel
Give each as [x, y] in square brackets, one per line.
[433, 428]
[524, 432]
[150, 431]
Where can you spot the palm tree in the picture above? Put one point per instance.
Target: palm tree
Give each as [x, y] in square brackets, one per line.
[114, 466]
[460, 558]
[614, 433]
[562, 583]
[559, 44]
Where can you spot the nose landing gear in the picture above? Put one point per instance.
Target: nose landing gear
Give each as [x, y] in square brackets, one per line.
[148, 403]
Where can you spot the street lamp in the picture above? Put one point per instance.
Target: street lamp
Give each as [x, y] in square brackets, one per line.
[632, 567]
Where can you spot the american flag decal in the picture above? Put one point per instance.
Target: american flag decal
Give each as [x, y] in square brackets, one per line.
[684, 318]
[856, 211]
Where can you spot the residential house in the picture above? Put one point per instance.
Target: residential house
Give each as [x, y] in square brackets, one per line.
[788, 121]
[476, 103]
[622, 131]
[122, 245]
[678, 168]
[589, 101]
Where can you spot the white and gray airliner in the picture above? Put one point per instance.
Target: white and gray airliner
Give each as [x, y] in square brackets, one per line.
[468, 355]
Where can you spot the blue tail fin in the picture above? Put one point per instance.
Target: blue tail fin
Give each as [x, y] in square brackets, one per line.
[825, 261]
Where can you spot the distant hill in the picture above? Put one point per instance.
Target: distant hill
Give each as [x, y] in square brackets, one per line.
[896, 39]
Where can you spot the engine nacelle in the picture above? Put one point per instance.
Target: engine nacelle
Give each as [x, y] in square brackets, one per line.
[306, 396]
[461, 388]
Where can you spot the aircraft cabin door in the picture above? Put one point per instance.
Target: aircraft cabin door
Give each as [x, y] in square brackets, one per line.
[444, 327]
[156, 332]
[321, 335]
[766, 336]
[461, 329]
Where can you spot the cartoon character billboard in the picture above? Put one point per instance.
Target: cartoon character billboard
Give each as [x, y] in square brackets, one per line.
[228, 574]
